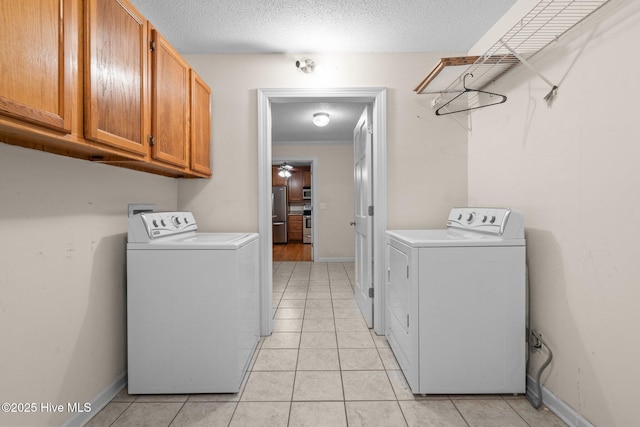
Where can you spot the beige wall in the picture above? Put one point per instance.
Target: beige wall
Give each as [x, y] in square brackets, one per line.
[63, 225]
[422, 149]
[334, 195]
[573, 170]
[63, 221]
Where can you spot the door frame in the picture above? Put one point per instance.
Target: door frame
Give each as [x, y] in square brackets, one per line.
[313, 161]
[377, 96]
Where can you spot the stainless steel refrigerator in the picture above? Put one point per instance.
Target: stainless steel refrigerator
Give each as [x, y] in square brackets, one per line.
[279, 213]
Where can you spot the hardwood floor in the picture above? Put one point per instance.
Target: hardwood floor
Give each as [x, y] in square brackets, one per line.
[292, 252]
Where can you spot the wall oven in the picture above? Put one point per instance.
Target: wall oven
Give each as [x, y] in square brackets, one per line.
[306, 193]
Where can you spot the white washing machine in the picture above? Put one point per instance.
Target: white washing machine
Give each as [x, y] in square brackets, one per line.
[456, 303]
[192, 305]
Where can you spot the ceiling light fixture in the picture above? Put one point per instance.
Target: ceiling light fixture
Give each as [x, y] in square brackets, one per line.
[321, 119]
[284, 169]
[306, 65]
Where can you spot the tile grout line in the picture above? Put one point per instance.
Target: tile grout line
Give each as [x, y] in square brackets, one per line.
[125, 410]
[514, 410]
[335, 328]
[295, 372]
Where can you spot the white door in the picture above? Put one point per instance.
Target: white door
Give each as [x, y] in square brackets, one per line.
[362, 146]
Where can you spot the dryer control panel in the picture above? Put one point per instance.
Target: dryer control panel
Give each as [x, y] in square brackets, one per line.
[147, 226]
[503, 222]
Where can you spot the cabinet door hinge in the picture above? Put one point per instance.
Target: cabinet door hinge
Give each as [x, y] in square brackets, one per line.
[370, 129]
[152, 141]
[370, 210]
[407, 271]
[370, 292]
[152, 45]
[407, 320]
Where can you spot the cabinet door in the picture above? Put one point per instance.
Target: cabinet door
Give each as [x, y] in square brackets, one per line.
[277, 179]
[295, 186]
[36, 62]
[295, 228]
[200, 125]
[116, 100]
[170, 103]
[306, 178]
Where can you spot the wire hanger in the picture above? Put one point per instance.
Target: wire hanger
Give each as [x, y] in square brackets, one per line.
[466, 90]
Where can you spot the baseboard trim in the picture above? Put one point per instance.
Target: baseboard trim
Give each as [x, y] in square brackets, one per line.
[557, 406]
[99, 402]
[335, 260]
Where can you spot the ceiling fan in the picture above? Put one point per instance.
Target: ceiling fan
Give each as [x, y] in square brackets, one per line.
[285, 170]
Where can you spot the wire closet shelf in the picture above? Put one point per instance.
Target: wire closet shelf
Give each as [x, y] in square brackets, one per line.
[544, 24]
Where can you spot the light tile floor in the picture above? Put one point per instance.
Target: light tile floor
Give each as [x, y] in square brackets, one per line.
[321, 367]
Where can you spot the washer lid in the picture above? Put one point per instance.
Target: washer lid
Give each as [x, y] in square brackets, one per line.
[198, 241]
[450, 238]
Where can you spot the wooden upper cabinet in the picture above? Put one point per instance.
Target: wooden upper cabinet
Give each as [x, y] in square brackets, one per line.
[36, 61]
[92, 79]
[200, 125]
[275, 178]
[169, 103]
[306, 178]
[115, 76]
[295, 186]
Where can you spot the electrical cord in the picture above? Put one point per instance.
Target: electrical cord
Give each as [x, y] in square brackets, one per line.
[536, 402]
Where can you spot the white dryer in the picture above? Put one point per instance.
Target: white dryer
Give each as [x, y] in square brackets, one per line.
[192, 305]
[456, 303]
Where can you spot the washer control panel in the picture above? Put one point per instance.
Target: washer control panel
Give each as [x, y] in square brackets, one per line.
[144, 227]
[504, 222]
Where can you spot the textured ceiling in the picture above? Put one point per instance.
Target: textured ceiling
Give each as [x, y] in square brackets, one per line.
[309, 26]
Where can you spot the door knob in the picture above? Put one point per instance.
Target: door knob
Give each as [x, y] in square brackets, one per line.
[352, 223]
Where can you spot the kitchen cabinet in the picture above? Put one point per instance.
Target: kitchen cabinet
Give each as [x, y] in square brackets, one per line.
[277, 179]
[200, 143]
[294, 231]
[300, 178]
[106, 98]
[306, 178]
[115, 85]
[36, 82]
[295, 186]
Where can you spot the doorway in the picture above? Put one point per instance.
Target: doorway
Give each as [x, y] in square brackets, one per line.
[377, 98]
[292, 181]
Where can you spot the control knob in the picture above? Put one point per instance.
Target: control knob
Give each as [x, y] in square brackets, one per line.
[176, 221]
[493, 219]
[470, 217]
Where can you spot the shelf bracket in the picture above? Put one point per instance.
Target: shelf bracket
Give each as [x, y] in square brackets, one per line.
[549, 98]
